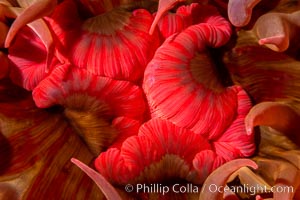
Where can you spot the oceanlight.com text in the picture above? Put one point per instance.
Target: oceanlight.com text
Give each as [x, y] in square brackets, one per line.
[249, 189]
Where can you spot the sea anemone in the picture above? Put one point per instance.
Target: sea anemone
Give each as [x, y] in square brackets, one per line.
[92, 103]
[120, 34]
[165, 94]
[180, 81]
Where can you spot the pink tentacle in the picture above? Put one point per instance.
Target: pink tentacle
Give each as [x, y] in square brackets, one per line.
[31, 15]
[108, 190]
[240, 11]
[33, 12]
[277, 115]
[276, 30]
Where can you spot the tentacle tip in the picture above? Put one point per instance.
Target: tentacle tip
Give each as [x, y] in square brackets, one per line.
[7, 43]
[152, 28]
[255, 166]
[249, 131]
[237, 19]
[278, 43]
[13, 30]
[47, 65]
[240, 11]
[74, 160]
[239, 23]
[258, 197]
[252, 164]
[249, 125]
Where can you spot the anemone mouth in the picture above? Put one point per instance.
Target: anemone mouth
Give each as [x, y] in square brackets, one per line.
[203, 71]
[97, 132]
[170, 168]
[107, 23]
[92, 120]
[83, 102]
[172, 171]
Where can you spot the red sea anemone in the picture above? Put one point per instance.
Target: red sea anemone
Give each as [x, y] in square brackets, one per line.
[120, 34]
[96, 83]
[66, 85]
[194, 155]
[91, 102]
[179, 82]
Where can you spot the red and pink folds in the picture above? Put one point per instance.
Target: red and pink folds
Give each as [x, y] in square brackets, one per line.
[148, 156]
[197, 123]
[90, 43]
[180, 81]
[71, 87]
[100, 109]
[27, 56]
[116, 44]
